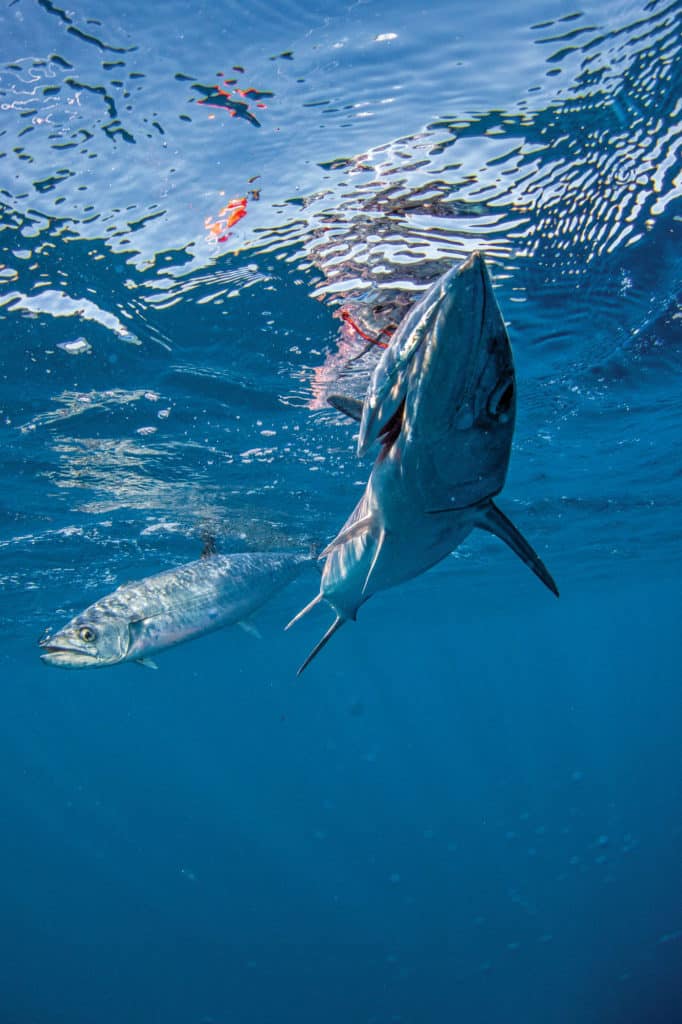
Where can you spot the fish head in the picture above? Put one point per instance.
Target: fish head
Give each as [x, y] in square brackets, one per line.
[384, 401]
[460, 403]
[92, 639]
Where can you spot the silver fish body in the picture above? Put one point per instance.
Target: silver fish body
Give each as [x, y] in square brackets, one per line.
[442, 403]
[142, 618]
[396, 542]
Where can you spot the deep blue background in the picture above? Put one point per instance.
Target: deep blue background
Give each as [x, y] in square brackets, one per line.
[470, 807]
[481, 819]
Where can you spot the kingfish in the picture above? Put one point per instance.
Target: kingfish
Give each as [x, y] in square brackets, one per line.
[140, 619]
[442, 405]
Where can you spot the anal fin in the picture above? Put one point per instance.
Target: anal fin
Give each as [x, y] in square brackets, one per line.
[494, 521]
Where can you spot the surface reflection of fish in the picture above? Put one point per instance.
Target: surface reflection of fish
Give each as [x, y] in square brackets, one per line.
[442, 404]
[362, 333]
[140, 619]
[366, 328]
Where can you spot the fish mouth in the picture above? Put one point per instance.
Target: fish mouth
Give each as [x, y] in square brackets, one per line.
[473, 297]
[416, 352]
[64, 656]
[458, 336]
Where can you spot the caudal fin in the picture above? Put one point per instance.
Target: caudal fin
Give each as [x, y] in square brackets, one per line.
[494, 521]
[336, 624]
[304, 611]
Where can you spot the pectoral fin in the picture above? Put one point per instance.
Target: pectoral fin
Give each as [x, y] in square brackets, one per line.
[146, 663]
[349, 406]
[375, 559]
[494, 521]
[135, 630]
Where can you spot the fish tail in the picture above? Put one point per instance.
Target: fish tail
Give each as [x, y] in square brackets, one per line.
[336, 625]
[304, 611]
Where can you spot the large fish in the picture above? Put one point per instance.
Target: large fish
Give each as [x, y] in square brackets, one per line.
[140, 619]
[442, 403]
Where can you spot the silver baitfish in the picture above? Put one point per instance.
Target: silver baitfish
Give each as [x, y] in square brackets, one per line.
[140, 619]
[442, 404]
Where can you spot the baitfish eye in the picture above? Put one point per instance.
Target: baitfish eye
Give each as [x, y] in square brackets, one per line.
[87, 634]
[500, 402]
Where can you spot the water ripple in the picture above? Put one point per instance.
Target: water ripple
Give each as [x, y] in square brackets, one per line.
[250, 267]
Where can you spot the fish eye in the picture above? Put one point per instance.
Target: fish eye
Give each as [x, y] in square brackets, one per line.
[500, 402]
[87, 634]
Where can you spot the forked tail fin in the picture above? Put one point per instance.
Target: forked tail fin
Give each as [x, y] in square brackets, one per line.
[336, 624]
[304, 611]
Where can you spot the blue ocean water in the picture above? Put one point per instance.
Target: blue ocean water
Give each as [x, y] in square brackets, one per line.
[470, 807]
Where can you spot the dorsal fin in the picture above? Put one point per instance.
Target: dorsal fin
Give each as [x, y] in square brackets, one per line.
[209, 545]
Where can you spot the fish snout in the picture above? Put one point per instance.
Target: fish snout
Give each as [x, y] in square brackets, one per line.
[472, 261]
[60, 649]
